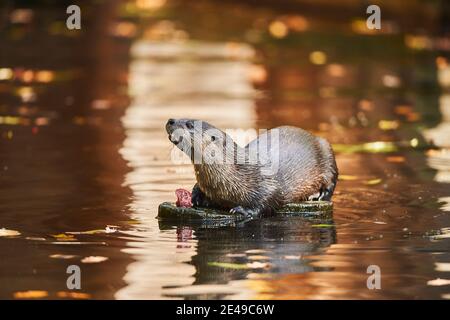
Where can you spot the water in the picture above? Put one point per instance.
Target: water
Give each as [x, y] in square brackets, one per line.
[83, 147]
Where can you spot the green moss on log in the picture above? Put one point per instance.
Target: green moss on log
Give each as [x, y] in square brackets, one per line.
[169, 211]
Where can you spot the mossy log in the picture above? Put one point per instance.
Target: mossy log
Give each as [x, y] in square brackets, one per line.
[168, 211]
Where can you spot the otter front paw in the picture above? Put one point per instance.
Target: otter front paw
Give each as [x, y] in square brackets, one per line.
[199, 199]
[245, 214]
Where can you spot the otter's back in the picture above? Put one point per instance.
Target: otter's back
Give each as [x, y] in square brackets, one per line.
[301, 162]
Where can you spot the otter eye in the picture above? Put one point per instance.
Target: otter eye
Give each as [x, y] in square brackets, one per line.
[189, 125]
[213, 138]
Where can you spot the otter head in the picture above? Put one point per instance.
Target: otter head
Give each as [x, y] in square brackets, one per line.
[198, 139]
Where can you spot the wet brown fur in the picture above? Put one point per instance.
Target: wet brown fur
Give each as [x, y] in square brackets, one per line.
[307, 170]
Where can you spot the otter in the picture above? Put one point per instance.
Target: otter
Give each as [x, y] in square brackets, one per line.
[282, 165]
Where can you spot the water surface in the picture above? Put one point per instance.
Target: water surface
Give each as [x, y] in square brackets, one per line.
[83, 147]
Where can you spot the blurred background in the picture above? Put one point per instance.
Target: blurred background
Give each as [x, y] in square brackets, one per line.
[85, 160]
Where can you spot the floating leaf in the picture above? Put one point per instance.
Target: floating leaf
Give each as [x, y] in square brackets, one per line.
[438, 282]
[31, 294]
[345, 177]
[60, 235]
[373, 182]
[8, 233]
[64, 237]
[10, 120]
[322, 225]
[36, 238]
[73, 295]
[108, 229]
[62, 256]
[442, 266]
[227, 265]
[94, 259]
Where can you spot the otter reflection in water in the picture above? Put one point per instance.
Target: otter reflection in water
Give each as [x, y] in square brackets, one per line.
[264, 247]
[305, 167]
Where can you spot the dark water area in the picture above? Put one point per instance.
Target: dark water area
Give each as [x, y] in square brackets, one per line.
[85, 160]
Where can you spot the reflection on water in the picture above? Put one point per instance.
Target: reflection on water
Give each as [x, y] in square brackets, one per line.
[83, 146]
[174, 81]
